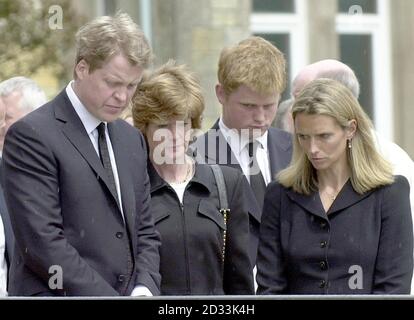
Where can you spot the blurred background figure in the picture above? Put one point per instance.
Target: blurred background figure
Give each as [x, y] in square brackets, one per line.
[283, 119]
[20, 95]
[203, 252]
[4, 253]
[336, 221]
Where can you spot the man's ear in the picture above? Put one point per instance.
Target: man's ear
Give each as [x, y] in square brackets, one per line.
[82, 69]
[352, 127]
[221, 94]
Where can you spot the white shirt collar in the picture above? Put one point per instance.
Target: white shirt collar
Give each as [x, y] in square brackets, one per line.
[90, 122]
[238, 142]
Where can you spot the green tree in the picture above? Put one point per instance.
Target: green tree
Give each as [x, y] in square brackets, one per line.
[32, 38]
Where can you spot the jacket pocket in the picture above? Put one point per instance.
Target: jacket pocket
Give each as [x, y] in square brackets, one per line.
[159, 212]
[208, 210]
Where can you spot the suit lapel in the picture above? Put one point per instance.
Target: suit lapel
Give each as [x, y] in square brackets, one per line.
[219, 151]
[347, 197]
[313, 204]
[73, 129]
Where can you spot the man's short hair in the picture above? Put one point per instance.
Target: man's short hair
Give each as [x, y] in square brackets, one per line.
[282, 114]
[105, 37]
[253, 62]
[344, 76]
[32, 95]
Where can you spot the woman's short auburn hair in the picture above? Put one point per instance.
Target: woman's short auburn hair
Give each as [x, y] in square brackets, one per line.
[171, 91]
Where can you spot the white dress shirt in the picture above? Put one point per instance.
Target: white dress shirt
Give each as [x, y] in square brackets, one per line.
[239, 146]
[3, 263]
[91, 123]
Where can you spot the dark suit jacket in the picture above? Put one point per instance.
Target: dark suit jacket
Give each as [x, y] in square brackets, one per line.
[212, 147]
[192, 236]
[363, 245]
[64, 214]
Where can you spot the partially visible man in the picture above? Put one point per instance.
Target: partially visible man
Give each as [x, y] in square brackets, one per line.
[3, 231]
[283, 119]
[336, 70]
[251, 76]
[75, 178]
[20, 96]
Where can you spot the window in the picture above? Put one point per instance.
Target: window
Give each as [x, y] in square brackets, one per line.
[283, 24]
[365, 46]
[282, 42]
[110, 7]
[367, 6]
[356, 52]
[285, 6]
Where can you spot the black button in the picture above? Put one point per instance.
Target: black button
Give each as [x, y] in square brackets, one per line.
[323, 244]
[322, 284]
[323, 224]
[323, 265]
[119, 235]
[121, 278]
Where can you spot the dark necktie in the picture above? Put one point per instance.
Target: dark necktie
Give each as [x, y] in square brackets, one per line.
[105, 159]
[257, 182]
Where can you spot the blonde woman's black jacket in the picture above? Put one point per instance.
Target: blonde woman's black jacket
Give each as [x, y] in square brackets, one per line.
[364, 245]
[192, 235]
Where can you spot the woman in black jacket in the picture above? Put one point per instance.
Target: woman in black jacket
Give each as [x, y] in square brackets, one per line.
[202, 252]
[336, 221]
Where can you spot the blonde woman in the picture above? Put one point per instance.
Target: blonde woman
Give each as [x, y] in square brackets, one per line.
[336, 221]
[202, 252]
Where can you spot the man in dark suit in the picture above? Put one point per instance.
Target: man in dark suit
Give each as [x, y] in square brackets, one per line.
[76, 182]
[6, 236]
[251, 78]
[18, 97]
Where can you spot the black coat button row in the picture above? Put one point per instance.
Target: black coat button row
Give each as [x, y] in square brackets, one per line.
[323, 224]
[323, 244]
[323, 265]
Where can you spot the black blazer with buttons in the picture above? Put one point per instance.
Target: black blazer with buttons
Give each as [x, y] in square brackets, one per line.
[192, 235]
[212, 147]
[64, 214]
[362, 245]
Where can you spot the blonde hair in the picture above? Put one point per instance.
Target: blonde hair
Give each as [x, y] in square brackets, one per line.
[168, 92]
[105, 37]
[253, 62]
[369, 169]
